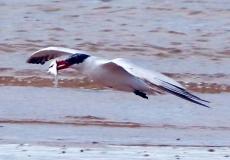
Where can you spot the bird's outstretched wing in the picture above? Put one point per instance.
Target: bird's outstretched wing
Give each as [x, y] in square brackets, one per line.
[157, 79]
[46, 54]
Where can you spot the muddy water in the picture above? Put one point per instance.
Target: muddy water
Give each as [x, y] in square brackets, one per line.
[187, 40]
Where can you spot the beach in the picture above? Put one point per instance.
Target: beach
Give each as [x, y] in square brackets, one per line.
[78, 119]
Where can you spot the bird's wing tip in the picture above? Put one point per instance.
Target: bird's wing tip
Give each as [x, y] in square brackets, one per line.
[206, 106]
[29, 60]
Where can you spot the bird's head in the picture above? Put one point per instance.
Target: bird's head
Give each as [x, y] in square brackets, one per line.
[57, 65]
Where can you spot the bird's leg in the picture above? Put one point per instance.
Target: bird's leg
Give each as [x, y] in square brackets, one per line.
[141, 94]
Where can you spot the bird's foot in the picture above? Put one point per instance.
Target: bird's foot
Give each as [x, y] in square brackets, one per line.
[141, 94]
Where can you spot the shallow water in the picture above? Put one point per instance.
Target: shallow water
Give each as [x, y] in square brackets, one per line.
[111, 117]
[186, 40]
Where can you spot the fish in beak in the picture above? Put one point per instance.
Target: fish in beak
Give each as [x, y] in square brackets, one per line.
[53, 68]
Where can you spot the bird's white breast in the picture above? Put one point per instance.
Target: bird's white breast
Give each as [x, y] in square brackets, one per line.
[91, 66]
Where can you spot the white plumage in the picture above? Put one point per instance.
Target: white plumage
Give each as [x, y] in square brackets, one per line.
[119, 73]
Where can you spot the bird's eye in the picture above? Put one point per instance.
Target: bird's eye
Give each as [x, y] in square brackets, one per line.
[51, 66]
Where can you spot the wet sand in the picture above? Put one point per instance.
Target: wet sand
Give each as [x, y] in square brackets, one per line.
[12, 151]
[50, 118]
[186, 40]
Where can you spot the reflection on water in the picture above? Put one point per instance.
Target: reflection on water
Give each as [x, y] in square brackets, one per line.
[203, 83]
[149, 28]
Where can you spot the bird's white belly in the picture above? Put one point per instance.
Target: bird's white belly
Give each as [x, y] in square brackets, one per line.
[123, 82]
[114, 77]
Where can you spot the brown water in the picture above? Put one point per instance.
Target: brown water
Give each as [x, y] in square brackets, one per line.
[187, 40]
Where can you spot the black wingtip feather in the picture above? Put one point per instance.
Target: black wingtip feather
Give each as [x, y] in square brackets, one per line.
[186, 98]
[186, 92]
[37, 60]
[182, 93]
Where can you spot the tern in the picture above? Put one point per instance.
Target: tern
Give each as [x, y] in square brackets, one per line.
[119, 74]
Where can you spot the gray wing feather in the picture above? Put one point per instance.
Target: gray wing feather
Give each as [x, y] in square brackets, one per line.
[157, 79]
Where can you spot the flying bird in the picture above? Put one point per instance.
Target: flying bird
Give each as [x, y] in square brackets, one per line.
[119, 73]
